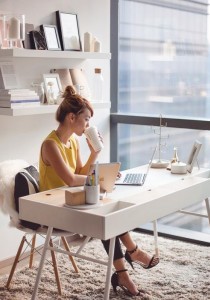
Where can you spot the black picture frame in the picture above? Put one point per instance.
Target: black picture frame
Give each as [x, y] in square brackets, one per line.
[37, 40]
[68, 30]
[51, 36]
[27, 42]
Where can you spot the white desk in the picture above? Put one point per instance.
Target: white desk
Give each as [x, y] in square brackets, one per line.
[162, 194]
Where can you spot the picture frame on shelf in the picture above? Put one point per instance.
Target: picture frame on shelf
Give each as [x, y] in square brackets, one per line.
[193, 155]
[50, 33]
[68, 30]
[8, 76]
[27, 42]
[52, 87]
[37, 40]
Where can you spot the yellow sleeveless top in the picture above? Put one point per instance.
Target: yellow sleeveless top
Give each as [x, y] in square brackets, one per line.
[47, 176]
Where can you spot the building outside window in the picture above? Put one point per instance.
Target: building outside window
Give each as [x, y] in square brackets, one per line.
[163, 68]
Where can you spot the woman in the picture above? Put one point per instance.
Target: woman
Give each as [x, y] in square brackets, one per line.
[60, 164]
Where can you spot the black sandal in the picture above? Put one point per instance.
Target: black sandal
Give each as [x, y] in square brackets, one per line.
[115, 284]
[152, 263]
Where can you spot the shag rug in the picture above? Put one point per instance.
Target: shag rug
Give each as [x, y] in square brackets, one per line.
[183, 273]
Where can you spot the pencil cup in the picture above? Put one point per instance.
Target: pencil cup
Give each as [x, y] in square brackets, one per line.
[92, 194]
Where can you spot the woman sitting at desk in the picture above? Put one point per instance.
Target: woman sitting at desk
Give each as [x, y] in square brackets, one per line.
[60, 164]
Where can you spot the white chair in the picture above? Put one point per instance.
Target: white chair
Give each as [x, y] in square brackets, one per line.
[8, 170]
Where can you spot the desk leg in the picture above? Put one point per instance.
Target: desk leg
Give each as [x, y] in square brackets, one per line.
[208, 208]
[41, 264]
[109, 268]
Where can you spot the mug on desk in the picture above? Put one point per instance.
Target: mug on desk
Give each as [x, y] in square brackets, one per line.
[92, 194]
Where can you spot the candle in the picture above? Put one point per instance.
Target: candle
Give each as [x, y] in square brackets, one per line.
[97, 46]
[14, 29]
[87, 41]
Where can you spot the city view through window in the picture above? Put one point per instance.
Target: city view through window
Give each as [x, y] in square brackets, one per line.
[163, 70]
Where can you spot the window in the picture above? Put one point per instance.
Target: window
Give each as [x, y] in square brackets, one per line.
[160, 67]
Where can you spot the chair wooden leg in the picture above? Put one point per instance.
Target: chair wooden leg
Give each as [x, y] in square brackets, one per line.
[66, 245]
[55, 267]
[32, 251]
[15, 261]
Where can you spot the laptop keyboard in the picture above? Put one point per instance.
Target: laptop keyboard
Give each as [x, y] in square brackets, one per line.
[133, 178]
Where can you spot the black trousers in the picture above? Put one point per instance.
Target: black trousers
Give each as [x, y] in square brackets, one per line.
[117, 249]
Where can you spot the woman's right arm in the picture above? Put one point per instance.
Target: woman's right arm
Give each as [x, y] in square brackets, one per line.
[51, 156]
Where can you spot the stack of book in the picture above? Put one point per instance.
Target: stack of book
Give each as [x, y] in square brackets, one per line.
[13, 98]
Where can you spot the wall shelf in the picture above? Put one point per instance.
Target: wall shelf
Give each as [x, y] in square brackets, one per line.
[43, 109]
[28, 53]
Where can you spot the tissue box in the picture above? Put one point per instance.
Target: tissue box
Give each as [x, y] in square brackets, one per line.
[75, 196]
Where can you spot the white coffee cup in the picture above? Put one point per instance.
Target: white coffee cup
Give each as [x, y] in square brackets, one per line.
[93, 137]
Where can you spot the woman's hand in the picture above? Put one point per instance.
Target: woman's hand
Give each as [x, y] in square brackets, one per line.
[91, 147]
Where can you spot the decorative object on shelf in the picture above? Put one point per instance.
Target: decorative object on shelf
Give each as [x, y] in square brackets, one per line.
[39, 88]
[97, 46]
[160, 163]
[65, 77]
[68, 30]
[80, 83]
[87, 41]
[37, 40]
[98, 85]
[51, 36]
[91, 43]
[27, 42]
[8, 78]
[14, 30]
[52, 86]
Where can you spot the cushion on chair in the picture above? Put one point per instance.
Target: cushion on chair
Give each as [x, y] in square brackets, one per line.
[8, 170]
[26, 183]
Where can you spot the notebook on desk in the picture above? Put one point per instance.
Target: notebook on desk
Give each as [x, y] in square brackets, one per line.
[136, 178]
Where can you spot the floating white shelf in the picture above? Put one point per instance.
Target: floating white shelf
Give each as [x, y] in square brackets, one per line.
[43, 109]
[28, 53]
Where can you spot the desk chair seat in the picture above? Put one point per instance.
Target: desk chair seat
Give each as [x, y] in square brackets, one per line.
[12, 186]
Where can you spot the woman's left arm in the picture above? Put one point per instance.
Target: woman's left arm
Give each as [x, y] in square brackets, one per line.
[83, 170]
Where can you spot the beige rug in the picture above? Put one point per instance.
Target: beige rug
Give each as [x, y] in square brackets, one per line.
[182, 274]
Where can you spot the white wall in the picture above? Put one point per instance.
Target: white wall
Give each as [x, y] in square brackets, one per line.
[21, 136]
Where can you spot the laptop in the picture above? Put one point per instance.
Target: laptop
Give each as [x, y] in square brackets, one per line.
[107, 175]
[137, 178]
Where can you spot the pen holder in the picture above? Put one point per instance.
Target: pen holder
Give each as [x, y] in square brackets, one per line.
[92, 194]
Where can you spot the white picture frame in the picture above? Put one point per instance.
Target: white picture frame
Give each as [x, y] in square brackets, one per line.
[51, 37]
[193, 155]
[52, 87]
[8, 77]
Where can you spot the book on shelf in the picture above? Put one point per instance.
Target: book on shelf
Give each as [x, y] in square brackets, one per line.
[15, 103]
[9, 91]
[13, 92]
[18, 97]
